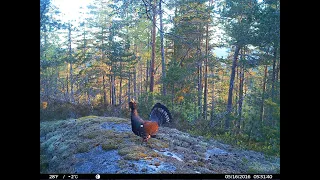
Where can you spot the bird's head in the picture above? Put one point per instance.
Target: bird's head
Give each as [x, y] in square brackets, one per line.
[132, 105]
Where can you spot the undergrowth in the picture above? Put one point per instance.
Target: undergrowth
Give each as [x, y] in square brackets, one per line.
[240, 140]
[64, 110]
[255, 136]
[263, 139]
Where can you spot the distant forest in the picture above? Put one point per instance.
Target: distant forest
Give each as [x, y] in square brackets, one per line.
[163, 51]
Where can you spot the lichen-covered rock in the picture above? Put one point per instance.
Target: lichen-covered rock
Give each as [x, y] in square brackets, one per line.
[95, 144]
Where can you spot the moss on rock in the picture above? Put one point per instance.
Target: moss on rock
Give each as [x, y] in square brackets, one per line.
[157, 144]
[111, 144]
[135, 156]
[90, 134]
[87, 118]
[44, 163]
[84, 147]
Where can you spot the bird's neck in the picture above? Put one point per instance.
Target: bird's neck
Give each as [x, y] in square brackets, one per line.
[134, 112]
[135, 116]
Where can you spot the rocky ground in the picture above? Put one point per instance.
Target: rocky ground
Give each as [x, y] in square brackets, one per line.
[107, 145]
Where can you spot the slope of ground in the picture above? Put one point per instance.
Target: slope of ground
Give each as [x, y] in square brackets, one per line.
[107, 145]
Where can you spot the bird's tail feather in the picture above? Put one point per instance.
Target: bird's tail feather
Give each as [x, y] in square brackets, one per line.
[161, 114]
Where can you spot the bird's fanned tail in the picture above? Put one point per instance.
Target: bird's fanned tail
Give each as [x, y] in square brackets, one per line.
[160, 114]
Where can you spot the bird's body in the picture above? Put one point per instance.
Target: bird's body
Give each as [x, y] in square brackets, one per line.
[159, 115]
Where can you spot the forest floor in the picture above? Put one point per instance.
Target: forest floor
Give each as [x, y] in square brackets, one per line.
[107, 145]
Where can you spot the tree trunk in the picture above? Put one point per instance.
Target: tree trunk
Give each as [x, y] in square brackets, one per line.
[110, 93]
[199, 76]
[120, 91]
[205, 96]
[63, 88]
[88, 91]
[120, 83]
[103, 77]
[67, 83]
[278, 71]
[147, 74]
[172, 96]
[163, 62]
[236, 88]
[153, 52]
[135, 83]
[212, 101]
[240, 75]
[46, 88]
[129, 87]
[232, 76]
[104, 91]
[199, 89]
[135, 76]
[141, 77]
[70, 62]
[273, 79]
[240, 96]
[263, 92]
[175, 42]
[273, 73]
[113, 91]
[88, 97]
[148, 64]
[45, 42]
